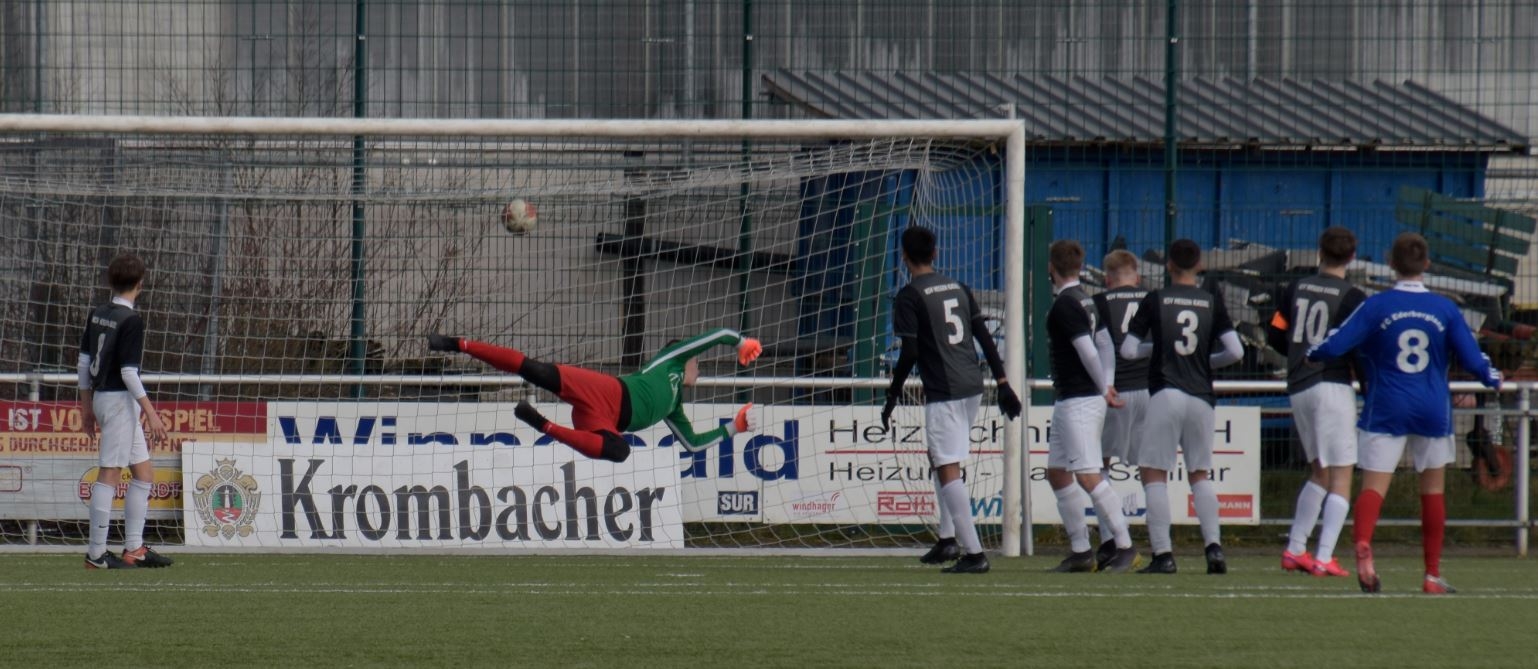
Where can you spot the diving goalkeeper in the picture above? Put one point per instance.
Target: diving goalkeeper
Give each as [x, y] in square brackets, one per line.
[603, 406]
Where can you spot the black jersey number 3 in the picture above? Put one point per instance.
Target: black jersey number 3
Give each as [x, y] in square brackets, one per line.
[1188, 322]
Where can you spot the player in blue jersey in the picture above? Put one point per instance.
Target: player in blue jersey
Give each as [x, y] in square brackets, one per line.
[1405, 338]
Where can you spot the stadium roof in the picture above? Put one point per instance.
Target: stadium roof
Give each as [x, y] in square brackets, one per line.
[1260, 112]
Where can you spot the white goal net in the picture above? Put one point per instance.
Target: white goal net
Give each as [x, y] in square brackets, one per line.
[296, 269]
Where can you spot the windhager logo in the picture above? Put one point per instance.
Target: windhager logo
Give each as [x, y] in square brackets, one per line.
[1229, 506]
[890, 503]
[227, 501]
[816, 506]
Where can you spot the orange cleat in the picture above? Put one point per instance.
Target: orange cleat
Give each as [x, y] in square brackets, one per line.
[1331, 568]
[1434, 585]
[1297, 561]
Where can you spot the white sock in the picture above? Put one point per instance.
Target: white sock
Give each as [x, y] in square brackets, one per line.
[101, 517]
[136, 506]
[1306, 513]
[1108, 509]
[1159, 515]
[1070, 505]
[1206, 502]
[955, 495]
[947, 525]
[1107, 533]
[1335, 510]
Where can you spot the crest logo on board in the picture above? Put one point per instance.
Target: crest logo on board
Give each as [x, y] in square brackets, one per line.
[227, 500]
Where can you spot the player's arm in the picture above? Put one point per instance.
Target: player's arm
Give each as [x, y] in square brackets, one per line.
[131, 343]
[1009, 402]
[1133, 347]
[1105, 345]
[683, 430]
[1073, 321]
[748, 348]
[905, 326]
[83, 383]
[1348, 305]
[1345, 338]
[1469, 356]
[1232, 350]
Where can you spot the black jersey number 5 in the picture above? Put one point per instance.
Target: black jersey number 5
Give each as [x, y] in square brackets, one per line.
[954, 322]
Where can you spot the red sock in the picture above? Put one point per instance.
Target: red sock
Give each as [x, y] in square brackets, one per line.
[505, 359]
[1433, 524]
[586, 443]
[1368, 505]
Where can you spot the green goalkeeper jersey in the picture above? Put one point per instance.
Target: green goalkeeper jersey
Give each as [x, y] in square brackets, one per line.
[654, 390]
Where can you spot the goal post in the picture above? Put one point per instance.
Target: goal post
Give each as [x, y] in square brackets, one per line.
[776, 228]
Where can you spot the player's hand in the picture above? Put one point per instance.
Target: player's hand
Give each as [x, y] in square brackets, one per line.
[88, 424]
[745, 421]
[748, 350]
[886, 411]
[1009, 402]
[157, 429]
[1112, 399]
[1494, 380]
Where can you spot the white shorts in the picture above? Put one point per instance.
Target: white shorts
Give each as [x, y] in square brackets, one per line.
[122, 438]
[1381, 452]
[1124, 427]
[948, 429]
[1176, 420]
[1074, 440]
[1326, 418]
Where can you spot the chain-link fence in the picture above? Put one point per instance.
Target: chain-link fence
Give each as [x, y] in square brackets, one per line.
[1285, 116]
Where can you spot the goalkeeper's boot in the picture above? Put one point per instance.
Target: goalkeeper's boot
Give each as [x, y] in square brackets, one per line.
[615, 448]
[1331, 568]
[528, 414]
[145, 558]
[438, 342]
[1163, 563]
[106, 561]
[1125, 560]
[1297, 561]
[972, 563]
[1217, 563]
[1104, 554]
[1366, 574]
[944, 550]
[1434, 585]
[1076, 563]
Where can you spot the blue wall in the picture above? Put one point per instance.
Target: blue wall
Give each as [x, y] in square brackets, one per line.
[1269, 198]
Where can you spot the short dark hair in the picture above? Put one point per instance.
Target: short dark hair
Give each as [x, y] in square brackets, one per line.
[1410, 255]
[125, 272]
[1336, 246]
[1185, 254]
[1066, 257]
[919, 244]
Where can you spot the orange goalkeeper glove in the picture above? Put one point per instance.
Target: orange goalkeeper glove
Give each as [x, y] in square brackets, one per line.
[744, 422]
[748, 350]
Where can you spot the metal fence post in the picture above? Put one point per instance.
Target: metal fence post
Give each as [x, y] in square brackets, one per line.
[1524, 467]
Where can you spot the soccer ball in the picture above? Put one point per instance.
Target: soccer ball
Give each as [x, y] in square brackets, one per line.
[519, 217]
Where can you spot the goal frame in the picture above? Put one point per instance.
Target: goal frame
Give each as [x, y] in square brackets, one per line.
[1016, 531]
